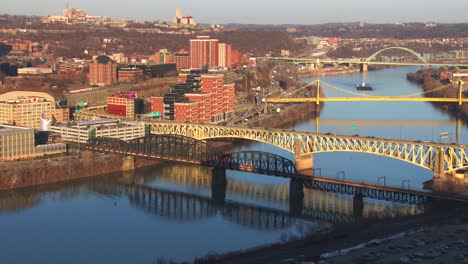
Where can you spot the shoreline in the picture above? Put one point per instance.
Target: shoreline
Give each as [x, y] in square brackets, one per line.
[326, 73]
[322, 246]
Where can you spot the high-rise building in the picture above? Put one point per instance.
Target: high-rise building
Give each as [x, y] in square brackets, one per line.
[203, 52]
[224, 57]
[102, 71]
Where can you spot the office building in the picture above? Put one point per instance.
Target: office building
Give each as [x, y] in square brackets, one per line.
[102, 71]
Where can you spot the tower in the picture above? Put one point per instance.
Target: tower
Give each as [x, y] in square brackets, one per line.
[178, 12]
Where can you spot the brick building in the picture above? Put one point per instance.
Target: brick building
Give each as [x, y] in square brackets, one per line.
[102, 71]
[198, 98]
[203, 52]
[130, 74]
[182, 60]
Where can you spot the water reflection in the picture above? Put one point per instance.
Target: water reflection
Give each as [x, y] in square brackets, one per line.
[170, 211]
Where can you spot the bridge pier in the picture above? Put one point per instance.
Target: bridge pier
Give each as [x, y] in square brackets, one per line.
[444, 182]
[364, 67]
[358, 206]
[296, 197]
[128, 163]
[303, 162]
[218, 185]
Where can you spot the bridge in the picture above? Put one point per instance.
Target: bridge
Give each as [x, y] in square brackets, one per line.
[367, 61]
[364, 97]
[170, 145]
[189, 150]
[439, 157]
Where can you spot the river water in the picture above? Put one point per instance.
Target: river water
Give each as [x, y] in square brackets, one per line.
[169, 212]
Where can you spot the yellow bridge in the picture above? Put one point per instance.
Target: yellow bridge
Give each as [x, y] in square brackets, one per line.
[441, 158]
[363, 97]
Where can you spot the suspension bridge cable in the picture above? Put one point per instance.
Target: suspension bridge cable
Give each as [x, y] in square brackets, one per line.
[346, 91]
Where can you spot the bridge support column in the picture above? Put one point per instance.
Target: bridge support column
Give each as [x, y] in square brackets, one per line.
[358, 206]
[128, 163]
[296, 197]
[304, 162]
[364, 67]
[218, 185]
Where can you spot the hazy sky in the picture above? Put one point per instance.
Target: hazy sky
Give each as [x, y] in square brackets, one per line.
[257, 11]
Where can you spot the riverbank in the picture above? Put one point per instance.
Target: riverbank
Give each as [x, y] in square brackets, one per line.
[428, 79]
[20, 174]
[350, 238]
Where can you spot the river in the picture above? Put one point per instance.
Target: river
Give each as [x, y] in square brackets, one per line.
[168, 211]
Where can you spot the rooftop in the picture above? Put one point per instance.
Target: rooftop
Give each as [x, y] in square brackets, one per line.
[4, 129]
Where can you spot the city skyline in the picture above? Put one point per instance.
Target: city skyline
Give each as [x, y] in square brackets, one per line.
[256, 12]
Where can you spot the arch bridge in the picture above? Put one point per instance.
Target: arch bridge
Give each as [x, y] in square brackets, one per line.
[417, 55]
[367, 61]
[440, 158]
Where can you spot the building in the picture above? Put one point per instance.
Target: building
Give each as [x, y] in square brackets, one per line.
[181, 20]
[16, 143]
[102, 71]
[119, 58]
[204, 52]
[34, 71]
[162, 56]
[198, 98]
[22, 108]
[157, 70]
[130, 75]
[182, 60]
[122, 104]
[224, 57]
[83, 131]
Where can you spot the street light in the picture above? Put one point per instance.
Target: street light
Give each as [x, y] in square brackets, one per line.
[340, 173]
[381, 178]
[319, 172]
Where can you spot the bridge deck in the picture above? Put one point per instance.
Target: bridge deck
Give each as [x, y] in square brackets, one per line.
[432, 195]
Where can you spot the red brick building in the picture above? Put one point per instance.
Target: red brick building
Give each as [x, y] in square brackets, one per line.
[102, 71]
[182, 60]
[214, 102]
[204, 106]
[130, 74]
[203, 52]
[122, 104]
[186, 112]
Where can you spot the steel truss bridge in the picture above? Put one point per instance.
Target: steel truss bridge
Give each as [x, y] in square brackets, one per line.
[174, 147]
[438, 157]
[368, 61]
[189, 150]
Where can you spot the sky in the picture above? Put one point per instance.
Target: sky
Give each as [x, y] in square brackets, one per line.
[256, 11]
